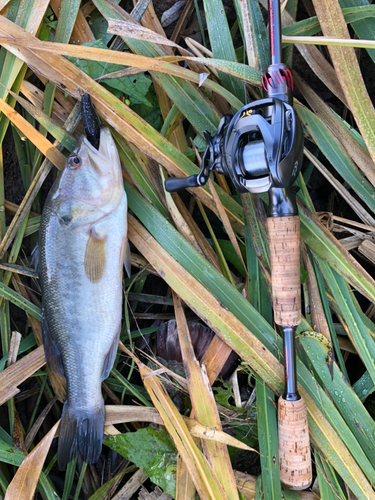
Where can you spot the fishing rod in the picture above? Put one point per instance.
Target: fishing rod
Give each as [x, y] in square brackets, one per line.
[260, 149]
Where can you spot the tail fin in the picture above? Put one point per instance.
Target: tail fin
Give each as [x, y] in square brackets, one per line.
[81, 431]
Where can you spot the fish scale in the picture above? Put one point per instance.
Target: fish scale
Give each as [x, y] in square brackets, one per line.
[83, 235]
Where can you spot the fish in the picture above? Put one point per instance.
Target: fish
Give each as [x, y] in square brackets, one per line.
[83, 248]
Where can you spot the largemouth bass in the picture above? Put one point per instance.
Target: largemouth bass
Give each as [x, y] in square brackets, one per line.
[82, 249]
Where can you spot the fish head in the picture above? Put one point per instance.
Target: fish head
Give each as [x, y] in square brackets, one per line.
[91, 183]
[93, 175]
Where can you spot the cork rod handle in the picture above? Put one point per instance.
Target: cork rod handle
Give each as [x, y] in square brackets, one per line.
[284, 238]
[294, 443]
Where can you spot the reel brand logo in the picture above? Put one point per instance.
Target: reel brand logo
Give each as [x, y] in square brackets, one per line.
[249, 112]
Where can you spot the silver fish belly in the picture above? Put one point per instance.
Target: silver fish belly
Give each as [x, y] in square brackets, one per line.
[83, 243]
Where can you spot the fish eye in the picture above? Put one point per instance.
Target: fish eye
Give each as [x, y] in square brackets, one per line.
[74, 162]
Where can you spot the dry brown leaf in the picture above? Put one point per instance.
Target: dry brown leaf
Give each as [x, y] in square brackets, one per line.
[12, 377]
[81, 31]
[346, 345]
[13, 348]
[247, 486]
[215, 357]
[36, 97]
[362, 213]
[24, 482]
[12, 208]
[156, 494]
[65, 101]
[248, 34]
[226, 222]
[318, 318]
[318, 63]
[351, 242]
[38, 423]
[205, 480]
[204, 405]
[43, 144]
[205, 247]
[123, 414]
[87, 8]
[173, 13]
[151, 21]
[3, 4]
[185, 489]
[345, 62]
[131, 486]
[182, 21]
[33, 24]
[21, 41]
[358, 154]
[367, 248]
[179, 220]
[131, 30]
[163, 65]
[18, 438]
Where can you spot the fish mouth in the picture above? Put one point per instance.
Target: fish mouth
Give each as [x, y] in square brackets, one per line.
[90, 120]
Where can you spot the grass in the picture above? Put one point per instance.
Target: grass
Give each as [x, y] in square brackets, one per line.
[166, 424]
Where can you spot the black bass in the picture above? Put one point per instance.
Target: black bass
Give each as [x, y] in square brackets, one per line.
[82, 250]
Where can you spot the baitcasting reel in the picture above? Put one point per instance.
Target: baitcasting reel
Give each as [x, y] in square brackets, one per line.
[260, 148]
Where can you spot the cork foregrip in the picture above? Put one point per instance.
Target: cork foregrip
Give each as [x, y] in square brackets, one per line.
[294, 445]
[284, 241]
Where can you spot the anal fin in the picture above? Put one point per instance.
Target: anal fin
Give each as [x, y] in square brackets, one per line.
[126, 256]
[111, 355]
[53, 355]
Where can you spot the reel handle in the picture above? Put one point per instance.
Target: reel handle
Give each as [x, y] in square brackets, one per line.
[177, 184]
[294, 442]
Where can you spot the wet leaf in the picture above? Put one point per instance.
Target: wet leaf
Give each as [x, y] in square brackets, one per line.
[325, 343]
[136, 86]
[153, 451]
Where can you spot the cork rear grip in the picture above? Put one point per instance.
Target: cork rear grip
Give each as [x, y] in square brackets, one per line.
[284, 242]
[294, 445]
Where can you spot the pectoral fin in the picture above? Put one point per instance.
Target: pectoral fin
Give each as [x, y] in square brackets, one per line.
[95, 258]
[53, 355]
